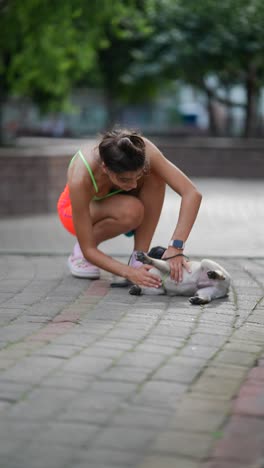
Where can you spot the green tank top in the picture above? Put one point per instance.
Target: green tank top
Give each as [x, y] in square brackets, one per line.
[79, 153]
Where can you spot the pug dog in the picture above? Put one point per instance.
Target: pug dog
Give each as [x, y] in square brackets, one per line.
[207, 281]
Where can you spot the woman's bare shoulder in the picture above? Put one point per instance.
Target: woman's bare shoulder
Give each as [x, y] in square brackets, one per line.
[153, 153]
[79, 180]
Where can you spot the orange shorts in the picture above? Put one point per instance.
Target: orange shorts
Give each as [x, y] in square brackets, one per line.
[65, 210]
[65, 213]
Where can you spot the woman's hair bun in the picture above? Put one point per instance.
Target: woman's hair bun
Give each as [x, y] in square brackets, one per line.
[122, 150]
[124, 143]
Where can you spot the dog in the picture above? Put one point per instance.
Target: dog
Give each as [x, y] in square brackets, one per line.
[207, 281]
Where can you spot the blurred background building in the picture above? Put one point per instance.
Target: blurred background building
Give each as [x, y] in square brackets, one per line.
[180, 112]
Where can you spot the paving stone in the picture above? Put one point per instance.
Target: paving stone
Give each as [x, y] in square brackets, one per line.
[179, 360]
[126, 374]
[125, 334]
[96, 464]
[18, 431]
[245, 445]
[96, 401]
[214, 385]
[72, 339]
[42, 404]
[108, 343]
[196, 421]
[4, 405]
[128, 440]
[198, 402]
[159, 393]
[58, 351]
[163, 341]
[68, 381]
[198, 350]
[5, 363]
[32, 369]
[193, 445]
[35, 455]
[252, 336]
[221, 330]
[15, 332]
[229, 371]
[236, 357]
[107, 457]
[13, 391]
[99, 351]
[83, 364]
[243, 346]
[94, 416]
[121, 388]
[140, 417]
[160, 461]
[177, 373]
[141, 360]
[229, 464]
[8, 447]
[166, 350]
[171, 332]
[69, 434]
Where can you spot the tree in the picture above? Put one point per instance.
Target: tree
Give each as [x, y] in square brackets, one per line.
[113, 61]
[195, 41]
[47, 48]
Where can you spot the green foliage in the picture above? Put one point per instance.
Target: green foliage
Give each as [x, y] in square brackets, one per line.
[193, 40]
[132, 48]
[47, 47]
[197, 41]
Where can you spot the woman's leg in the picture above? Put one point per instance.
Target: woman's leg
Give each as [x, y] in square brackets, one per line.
[152, 196]
[110, 217]
[115, 215]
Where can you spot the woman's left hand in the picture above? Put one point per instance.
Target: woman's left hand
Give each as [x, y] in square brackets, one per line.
[176, 264]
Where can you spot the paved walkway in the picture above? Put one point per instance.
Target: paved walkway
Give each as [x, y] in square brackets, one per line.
[230, 222]
[91, 377]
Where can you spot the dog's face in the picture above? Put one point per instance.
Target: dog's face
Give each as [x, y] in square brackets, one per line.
[157, 252]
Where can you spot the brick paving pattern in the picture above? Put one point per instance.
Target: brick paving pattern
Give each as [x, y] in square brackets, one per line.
[93, 377]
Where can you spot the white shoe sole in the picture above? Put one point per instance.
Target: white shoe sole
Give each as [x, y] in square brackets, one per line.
[80, 274]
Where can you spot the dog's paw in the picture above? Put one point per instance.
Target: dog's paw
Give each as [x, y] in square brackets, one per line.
[135, 290]
[214, 275]
[141, 256]
[196, 300]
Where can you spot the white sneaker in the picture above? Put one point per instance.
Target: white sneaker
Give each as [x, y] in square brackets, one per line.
[133, 262]
[81, 268]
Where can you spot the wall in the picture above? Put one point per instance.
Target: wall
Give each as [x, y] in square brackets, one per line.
[216, 157]
[33, 174]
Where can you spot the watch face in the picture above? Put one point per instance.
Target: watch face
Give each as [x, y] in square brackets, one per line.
[178, 244]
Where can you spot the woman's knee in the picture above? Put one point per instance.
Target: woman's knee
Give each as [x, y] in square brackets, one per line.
[131, 212]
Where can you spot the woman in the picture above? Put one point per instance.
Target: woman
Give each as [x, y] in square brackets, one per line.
[120, 187]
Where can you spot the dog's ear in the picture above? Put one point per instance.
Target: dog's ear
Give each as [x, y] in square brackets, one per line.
[156, 252]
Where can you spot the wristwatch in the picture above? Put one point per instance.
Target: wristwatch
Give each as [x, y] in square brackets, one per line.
[177, 244]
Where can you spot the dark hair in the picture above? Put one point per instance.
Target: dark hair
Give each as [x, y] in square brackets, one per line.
[122, 150]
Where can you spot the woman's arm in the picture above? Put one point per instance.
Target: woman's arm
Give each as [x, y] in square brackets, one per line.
[190, 203]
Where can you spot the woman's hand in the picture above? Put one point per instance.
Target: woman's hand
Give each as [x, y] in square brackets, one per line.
[176, 264]
[142, 277]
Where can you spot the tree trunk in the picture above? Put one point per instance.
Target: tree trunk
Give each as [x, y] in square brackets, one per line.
[112, 110]
[213, 127]
[229, 124]
[252, 94]
[2, 101]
